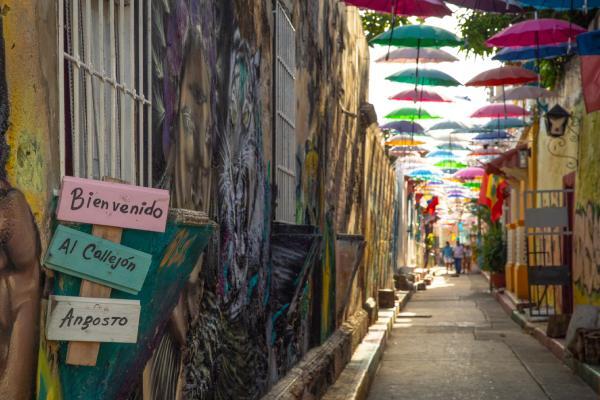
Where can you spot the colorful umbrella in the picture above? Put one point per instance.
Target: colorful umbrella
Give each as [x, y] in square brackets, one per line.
[418, 36]
[500, 111]
[429, 77]
[450, 164]
[524, 93]
[502, 123]
[409, 113]
[492, 136]
[494, 6]
[472, 185]
[562, 5]
[503, 76]
[534, 52]
[417, 8]
[421, 96]
[443, 154]
[469, 173]
[484, 153]
[536, 32]
[452, 147]
[409, 55]
[403, 126]
[426, 173]
[403, 141]
[447, 125]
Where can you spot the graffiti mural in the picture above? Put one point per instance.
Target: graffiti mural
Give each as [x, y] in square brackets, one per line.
[19, 273]
[586, 252]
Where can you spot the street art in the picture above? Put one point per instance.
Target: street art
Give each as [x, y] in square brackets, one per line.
[19, 274]
[586, 271]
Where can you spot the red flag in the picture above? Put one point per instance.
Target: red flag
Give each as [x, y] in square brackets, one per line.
[432, 204]
[496, 208]
[483, 198]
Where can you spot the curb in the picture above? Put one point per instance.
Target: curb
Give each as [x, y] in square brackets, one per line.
[355, 380]
[589, 374]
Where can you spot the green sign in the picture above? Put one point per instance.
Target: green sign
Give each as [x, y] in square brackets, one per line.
[98, 260]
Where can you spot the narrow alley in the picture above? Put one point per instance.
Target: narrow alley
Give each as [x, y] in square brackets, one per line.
[454, 341]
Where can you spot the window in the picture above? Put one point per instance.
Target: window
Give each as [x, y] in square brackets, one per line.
[105, 81]
[285, 124]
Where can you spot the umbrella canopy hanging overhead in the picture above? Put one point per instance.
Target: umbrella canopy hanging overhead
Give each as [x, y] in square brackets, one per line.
[452, 147]
[536, 32]
[562, 5]
[426, 173]
[534, 52]
[469, 173]
[492, 136]
[500, 111]
[503, 76]
[417, 8]
[449, 163]
[410, 113]
[524, 93]
[403, 126]
[403, 141]
[485, 152]
[503, 123]
[418, 36]
[410, 54]
[428, 77]
[447, 125]
[419, 96]
[442, 154]
[493, 6]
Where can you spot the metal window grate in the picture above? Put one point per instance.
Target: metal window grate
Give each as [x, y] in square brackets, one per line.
[285, 106]
[104, 73]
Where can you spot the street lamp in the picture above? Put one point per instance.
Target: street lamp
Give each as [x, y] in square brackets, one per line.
[557, 120]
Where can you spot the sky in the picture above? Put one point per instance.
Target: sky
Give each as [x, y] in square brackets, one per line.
[380, 89]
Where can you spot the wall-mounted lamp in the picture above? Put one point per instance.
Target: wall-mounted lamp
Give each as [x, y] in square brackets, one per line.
[524, 157]
[557, 120]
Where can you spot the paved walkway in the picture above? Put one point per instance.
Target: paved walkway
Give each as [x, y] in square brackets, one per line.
[461, 345]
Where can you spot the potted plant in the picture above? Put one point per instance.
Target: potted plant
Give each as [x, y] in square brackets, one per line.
[494, 254]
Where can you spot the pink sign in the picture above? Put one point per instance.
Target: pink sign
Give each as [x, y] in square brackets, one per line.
[113, 204]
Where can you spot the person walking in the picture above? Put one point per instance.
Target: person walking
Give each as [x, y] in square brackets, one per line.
[468, 259]
[459, 254]
[447, 255]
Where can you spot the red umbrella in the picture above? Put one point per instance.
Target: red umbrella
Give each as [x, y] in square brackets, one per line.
[500, 111]
[418, 8]
[503, 76]
[536, 32]
[410, 54]
[422, 95]
[484, 153]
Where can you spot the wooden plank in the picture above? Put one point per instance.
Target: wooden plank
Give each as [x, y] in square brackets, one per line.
[82, 353]
[87, 319]
[113, 204]
[98, 260]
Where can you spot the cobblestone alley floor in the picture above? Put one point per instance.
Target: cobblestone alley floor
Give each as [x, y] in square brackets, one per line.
[461, 345]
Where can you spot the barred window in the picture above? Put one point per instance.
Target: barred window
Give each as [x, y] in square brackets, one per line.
[285, 106]
[105, 79]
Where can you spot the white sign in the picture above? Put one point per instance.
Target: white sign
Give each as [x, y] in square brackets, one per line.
[85, 319]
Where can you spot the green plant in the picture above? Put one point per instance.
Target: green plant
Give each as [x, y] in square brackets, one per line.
[375, 23]
[494, 249]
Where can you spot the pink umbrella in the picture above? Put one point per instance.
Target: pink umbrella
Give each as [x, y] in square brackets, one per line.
[503, 76]
[422, 95]
[418, 8]
[469, 173]
[410, 54]
[524, 92]
[536, 32]
[500, 111]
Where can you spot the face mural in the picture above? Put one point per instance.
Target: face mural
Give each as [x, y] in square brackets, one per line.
[19, 275]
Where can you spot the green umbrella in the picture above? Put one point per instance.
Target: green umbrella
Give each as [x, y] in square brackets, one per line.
[409, 113]
[430, 77]
[472, 185]
[452, 147]
[445, 164]
[418, 36]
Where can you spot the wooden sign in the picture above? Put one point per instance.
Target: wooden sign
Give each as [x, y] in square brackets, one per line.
[113, 204]
[98, 260]
[86, 319]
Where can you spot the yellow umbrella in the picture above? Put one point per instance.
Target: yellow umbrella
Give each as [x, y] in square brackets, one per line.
[403, 141]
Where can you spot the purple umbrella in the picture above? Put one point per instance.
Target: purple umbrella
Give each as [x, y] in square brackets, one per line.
[403, 127]
[494, 6]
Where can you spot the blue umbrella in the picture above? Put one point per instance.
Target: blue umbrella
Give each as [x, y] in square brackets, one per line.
[534, 52]
[492, 136]
[452, 146]
[447, 125]
[403, 126]
[442, 154]
[561, 4]
[425, 173]
[504, 123]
